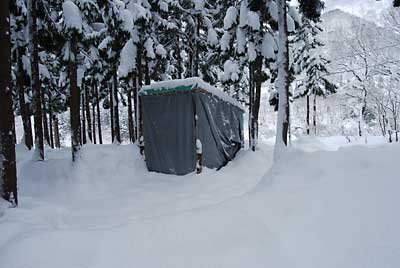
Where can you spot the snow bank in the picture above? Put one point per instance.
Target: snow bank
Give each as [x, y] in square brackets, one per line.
[195, 82]
[322, 209]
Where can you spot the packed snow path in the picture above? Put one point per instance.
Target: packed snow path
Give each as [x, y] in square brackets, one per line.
[319, 209]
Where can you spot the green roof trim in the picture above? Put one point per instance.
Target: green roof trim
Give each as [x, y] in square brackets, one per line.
[162, 90]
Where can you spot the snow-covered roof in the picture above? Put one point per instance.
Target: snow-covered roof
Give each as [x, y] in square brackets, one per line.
[187, 84]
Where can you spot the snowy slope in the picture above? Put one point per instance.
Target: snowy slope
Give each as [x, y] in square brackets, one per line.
[321, 209]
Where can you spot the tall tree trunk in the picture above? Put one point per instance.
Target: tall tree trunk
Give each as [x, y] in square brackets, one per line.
[139, 81]
[117, 131]
[257, 97]
[179, 59]
[308, 115]
[363, 116]
[282, 127]
[146, 72]
[96, 91]
[83, 118]
[35, 82]
[196, 47]
[8, 176]
[57, 142]
[45, 122]
[74, 102]
[315, 114]
[130, 117]
[359, 125]
[24, 108]
[88, 118]
[251, 107]
[51, 122]
[135, 107]
[112, 111]
[94, 120]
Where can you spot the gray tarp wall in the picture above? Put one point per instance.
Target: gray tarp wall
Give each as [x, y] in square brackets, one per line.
[169, 131]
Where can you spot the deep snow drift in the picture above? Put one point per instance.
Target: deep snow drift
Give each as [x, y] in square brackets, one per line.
[319, 208]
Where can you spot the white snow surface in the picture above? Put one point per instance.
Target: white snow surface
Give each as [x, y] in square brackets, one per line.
[128, 59]
[328, 209]
[195, 82]
[72, 16]
[230, 17]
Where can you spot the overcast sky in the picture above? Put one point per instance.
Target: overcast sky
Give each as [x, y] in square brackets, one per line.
[369, 9]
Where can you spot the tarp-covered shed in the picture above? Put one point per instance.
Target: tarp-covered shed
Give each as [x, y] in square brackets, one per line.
[185, 118]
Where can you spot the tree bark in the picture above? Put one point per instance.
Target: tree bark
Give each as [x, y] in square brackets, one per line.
[251, 107]
[57, 142]
[35, 82]
[130, 117]
[135, 107]
[139, 81]
[196, 47]
[308, 115]
[146, 72]
[112, 112]
[88, 118]
[83, 118]
[51, 122]
[315, 114]
[257, 98]
[117, 131]
[179, 59]
[98, 112]
[23, 107]
[94, 120]
[44, 117]
[74, 102]
[8, 176]
[283, 81]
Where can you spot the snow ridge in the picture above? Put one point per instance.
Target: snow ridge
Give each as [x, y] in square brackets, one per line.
[195, 82]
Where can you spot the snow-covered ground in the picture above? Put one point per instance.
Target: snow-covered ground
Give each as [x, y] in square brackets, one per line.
[328, 203]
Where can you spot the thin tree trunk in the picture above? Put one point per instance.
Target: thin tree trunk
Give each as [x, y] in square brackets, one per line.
[146, 72]
[57, 142]
[51, 122]
[196, 47]
[112, 112]
[139, 80]
[98, 112]
[130, 117]
[315, 114]
[94, 121]
[35, 82]
[251, 107]
[8, 176]
[283, 81]
[135, 107]
[257, 98]
[74, 102]
[45, 122]
[83, 118]
[179, 59]
[23, 107]
[88, 118]
[115, 107]
[308, 115]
